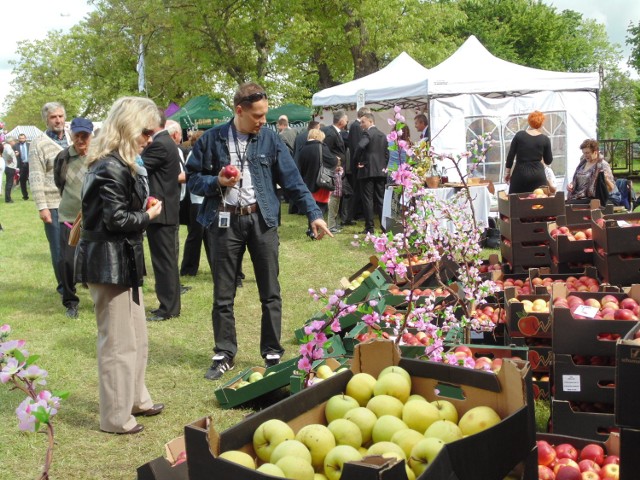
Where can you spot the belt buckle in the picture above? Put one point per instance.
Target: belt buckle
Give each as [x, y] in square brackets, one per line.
[246, 210]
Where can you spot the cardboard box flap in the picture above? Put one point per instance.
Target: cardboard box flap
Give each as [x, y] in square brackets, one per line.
[174, 448]
[377, 354]
[375, 468]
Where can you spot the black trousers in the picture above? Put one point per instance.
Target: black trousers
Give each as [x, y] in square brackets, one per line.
[196, 234]
[227, 246]
[372, 189]
[351, 205]
[24, 178]
[8, 184]
[65, 269]
[164, 259]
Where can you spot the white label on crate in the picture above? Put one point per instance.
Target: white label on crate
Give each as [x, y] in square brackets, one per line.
[624, 223]
[571, 383]
[586, 311]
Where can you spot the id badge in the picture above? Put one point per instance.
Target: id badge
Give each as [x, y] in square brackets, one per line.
[224, 218]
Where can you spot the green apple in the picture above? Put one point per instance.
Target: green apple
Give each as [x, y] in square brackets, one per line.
[338, 405]
[324, 371]
[385, 405]
[319, 476]
[243, 383]
[419, 415]
[319, 440]
[360, 387]
[385, 427]
[393, 384]
[337, 457]
[415, 396]
[395, 369]
[241, 458]
[447, 410]
[381, 448]
[365, 419]
[271, 469]
[444, 430]
[293, 448]
[269, 435]
[423, 453]
[406, 439]
[478, 419]
[410, 474]
[341, 369]
[365, 274]
[295, 467]
[255, 376]
[346, 432]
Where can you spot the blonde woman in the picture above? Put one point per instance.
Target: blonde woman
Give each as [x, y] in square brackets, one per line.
[110, 259]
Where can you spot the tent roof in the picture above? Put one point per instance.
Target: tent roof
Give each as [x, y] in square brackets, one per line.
[472, 69]
[29, 130]
[203, 111]
[295, 113]
[402, 78]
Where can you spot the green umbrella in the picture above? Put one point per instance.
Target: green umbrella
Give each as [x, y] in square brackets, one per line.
[202, 112]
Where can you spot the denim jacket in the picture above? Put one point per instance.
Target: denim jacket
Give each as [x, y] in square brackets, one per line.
[270, 163]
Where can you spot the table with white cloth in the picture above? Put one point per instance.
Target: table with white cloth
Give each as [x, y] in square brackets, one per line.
[480, 196]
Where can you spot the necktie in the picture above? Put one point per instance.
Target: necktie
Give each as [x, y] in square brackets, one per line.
[23, 152]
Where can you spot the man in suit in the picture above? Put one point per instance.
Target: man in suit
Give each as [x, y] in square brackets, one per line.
[350, 206]
[371, 158]
[333, 135]
[22, 154]
[287, 134]
[422, 126]
[162, 161]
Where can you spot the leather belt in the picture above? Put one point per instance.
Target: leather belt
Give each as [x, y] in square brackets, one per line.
[244, 210]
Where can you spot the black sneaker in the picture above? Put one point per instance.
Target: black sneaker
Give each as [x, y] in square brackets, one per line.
[271, 359]
[220, 365]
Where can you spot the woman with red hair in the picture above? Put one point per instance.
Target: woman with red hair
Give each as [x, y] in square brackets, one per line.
[528, 147]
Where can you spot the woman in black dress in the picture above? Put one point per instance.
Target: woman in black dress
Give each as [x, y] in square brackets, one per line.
[528, 147]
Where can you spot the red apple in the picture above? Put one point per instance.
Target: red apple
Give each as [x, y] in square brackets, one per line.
[230, 171]
[590, 476]
[546, 453]
[628, 303]
[610, 471]
[592, 302]
[609, 298]
[151, 201]
[545, 473]
[593, 452]
[566, 450]
[588, 466]
[622, 314]
[464, 349]
[615, 459]
[567, 472]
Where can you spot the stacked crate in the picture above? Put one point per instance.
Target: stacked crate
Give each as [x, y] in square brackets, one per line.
[523, 229]
[584, 353]
[617, 247]
[532, 329]
[571, 245]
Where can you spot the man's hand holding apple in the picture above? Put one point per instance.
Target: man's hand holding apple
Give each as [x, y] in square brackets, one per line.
[229, 175]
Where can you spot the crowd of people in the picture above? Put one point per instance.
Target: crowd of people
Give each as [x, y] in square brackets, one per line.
[137, 177]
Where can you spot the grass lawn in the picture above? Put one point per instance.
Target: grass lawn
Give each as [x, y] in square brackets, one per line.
[179, 353]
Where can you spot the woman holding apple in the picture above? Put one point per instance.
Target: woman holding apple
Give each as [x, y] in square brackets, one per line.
[110, 259]
[582, 189]
[527, 148]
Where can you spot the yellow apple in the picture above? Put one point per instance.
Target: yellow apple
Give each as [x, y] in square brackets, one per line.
[360, 387]
[478, 419]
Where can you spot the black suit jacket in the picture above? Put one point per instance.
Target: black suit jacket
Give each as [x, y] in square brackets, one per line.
[162, 161]
[16, 149]
[355, 134]
[333, 140]
[373, 153]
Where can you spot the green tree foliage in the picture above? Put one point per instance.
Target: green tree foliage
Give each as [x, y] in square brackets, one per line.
[296, 48]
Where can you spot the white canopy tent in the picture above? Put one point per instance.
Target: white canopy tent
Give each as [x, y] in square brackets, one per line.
[473, 92]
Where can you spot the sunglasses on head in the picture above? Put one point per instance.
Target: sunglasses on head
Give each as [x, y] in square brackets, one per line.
[147, 132]
[254, 97]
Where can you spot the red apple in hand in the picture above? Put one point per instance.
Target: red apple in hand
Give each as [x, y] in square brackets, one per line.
[230, 171]
[151, 201]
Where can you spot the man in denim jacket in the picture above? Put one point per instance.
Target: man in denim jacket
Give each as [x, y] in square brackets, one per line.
[242, 210]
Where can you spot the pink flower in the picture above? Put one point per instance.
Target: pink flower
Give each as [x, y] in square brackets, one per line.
[304, 364]
[11, 368]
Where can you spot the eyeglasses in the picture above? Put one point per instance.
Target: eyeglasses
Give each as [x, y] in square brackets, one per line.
[147, 132]
[254, 97]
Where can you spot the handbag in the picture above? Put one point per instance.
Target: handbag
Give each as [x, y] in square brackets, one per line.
[74, 234]
[326, 176]
[601, 190]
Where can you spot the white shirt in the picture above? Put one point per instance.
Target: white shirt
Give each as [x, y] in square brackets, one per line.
[9, 156]
[243, 193]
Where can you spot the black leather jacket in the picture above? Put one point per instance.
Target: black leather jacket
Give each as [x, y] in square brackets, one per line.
[110, 250]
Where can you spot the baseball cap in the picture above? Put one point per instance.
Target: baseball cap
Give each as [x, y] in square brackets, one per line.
[80, 124]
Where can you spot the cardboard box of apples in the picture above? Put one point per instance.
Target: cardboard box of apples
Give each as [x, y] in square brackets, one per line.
[576, 213]
[415, 412]
[172, 466]
[627, 382]
[527, 315]
[571, 243]
[590, 323]
[616, 234]
[590, 420]
[538, 205]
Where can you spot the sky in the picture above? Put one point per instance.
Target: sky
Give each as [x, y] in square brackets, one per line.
[41, 16]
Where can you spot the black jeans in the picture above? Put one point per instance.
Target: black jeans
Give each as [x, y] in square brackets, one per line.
[196, 236]
[24, 178]
[65, 269]
[372, 189]
[8, 184]
[227, 246]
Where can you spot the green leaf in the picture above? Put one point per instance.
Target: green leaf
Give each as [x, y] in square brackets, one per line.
[41, 414]
[62, 394]
[31, 360]
[18, 355]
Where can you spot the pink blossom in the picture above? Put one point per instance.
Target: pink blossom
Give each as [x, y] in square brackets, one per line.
[391, 122]
[335, 326]
[393, 136]
[304, 364]
[397, 109]
[35, 374]
[11, 368]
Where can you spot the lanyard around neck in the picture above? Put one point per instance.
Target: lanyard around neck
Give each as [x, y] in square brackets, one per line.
[241, 155]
